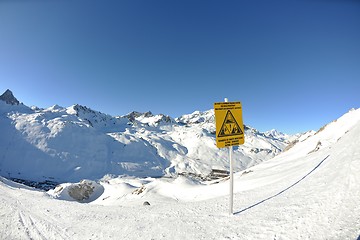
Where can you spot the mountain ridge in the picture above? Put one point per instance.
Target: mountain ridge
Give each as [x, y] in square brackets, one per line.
[73, 143]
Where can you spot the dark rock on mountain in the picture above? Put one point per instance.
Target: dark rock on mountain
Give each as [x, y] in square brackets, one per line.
[9, 98]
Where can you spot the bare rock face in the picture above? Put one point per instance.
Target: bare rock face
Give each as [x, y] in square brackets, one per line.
[9, 98]
[81, 191]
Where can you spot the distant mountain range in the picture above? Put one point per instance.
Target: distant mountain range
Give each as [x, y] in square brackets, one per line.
[74, 143]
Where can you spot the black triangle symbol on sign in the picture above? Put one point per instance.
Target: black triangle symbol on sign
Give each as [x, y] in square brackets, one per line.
[229, 127]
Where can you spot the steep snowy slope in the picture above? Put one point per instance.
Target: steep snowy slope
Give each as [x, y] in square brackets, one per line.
[69, 144]
[299, 194]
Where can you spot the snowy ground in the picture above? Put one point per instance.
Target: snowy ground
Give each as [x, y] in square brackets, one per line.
[308, 192]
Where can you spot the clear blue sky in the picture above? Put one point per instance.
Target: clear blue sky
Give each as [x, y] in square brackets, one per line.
[294, 64]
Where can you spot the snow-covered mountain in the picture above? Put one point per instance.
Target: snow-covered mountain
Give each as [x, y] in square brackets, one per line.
[309, 191]
[73, 143]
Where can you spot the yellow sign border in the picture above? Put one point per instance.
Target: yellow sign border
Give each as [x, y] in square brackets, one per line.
[221, 110]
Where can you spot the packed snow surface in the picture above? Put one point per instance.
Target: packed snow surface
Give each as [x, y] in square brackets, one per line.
[310, 191]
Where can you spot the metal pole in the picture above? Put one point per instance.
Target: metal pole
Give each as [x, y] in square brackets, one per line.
[231, 195]
[231, 181]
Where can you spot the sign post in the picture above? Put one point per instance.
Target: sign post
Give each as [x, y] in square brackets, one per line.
[229, 132]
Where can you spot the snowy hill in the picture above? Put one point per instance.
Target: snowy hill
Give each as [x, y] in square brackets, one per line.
[69, 144]
[310, 191]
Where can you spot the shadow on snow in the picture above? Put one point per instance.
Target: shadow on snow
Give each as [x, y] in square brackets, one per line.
[282, 191]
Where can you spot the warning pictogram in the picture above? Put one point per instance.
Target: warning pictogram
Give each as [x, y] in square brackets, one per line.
[229, 127]
[229, 124]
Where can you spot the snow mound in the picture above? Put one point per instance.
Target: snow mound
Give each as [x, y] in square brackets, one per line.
[85, 191]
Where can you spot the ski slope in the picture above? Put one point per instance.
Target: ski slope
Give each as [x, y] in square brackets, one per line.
[310, 191]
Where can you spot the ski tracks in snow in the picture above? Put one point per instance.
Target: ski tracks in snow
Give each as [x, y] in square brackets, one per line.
[37, 228]
[32, 222]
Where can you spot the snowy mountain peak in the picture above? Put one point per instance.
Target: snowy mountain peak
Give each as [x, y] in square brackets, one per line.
[82, 109]
[149, 119]
[9, 98]
[273, 133]
[94, 118]
[54, 108]
[197, 117]
[134, 114]
[155, 120]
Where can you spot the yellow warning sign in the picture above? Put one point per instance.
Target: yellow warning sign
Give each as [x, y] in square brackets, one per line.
[229, 124]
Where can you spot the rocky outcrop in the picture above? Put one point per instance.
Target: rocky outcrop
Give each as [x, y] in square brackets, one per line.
[9, 98]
